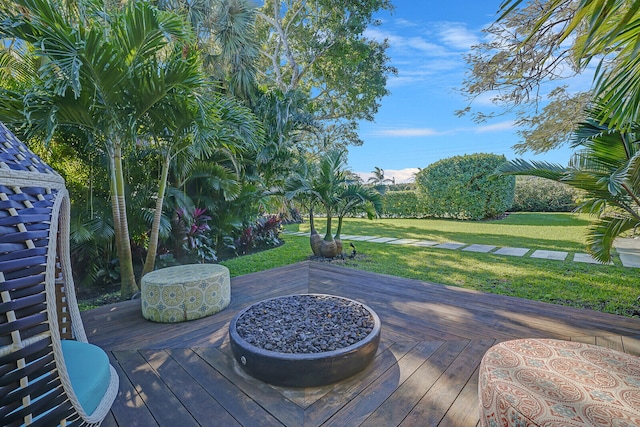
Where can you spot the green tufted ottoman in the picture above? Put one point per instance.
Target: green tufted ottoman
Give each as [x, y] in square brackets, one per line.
[185, 292]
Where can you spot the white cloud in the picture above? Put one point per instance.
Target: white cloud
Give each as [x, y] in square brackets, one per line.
[421, 45]
[497, 127]
[407, 45]
[405, 23]
[407, 132]
[377, 34]
[458, 36]
[486, 99]
[401, 176]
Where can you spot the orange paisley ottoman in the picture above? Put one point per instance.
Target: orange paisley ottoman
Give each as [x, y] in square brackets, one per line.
[542, 382]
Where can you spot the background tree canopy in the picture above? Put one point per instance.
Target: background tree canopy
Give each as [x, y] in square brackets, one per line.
[318, 48]
[517, 59]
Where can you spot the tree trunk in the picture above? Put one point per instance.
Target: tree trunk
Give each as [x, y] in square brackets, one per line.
[128, 284]
[314, 239]
[337, 238]
[152, 251]
[329, 249]
[328, 236]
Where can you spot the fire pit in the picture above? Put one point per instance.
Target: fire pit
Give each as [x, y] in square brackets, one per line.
[304, 340]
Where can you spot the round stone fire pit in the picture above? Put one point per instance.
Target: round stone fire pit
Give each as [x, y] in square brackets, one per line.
[304, 340]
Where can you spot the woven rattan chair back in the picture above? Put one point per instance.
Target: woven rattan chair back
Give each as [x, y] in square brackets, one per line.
[38, 305]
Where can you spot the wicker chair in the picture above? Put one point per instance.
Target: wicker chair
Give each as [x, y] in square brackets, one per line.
[40, 325]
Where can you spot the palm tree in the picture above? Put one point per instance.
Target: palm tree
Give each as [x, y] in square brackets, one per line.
[378, 177]
[226, 38]
[325, 183]
[197, 130]
[109, 75]
[329, 185]
[607, 169]
[300, 186]
[356, 198]
[379, 181]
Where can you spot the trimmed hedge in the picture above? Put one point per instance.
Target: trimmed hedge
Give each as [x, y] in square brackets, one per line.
[403, 204]
[464, 187]
[534, 194]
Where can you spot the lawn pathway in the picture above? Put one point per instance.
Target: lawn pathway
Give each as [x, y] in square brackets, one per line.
[628, 248]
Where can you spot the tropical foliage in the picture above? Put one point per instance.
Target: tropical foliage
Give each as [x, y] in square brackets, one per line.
[128, 83]
[106, 77]
[323, 185]
[181, 134]
[607, 167]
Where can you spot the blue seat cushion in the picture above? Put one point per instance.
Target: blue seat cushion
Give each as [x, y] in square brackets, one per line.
[88, 368]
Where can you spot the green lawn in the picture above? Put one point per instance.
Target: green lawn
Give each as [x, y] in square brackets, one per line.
[611, 289]
[553, 231]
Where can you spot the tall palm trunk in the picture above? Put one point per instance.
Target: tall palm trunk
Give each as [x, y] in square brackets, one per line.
[337, 238]
[328, 235]
[152, 251]
[329, 249]
[128, 284]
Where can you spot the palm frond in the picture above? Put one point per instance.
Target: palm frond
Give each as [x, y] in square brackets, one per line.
[603, 231]
[547, 170]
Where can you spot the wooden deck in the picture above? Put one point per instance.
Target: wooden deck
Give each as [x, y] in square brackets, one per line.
[424, 374]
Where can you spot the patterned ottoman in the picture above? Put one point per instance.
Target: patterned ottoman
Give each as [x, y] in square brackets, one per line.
[185, 292]
[538, 382]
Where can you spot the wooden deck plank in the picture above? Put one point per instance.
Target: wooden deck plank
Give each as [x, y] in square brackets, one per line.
[631, 344]
[165, 407]
[398, 403]
[469, 299]
[424, 373]
[464, 410]
[435, 404]
[404, 399]
[350, 388]
[261, 393]
[196, 400]
[130, 409]
[244, 409]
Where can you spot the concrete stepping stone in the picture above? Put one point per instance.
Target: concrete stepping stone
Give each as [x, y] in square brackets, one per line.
[479, 248]
[587, 258]
[425, 243]
[630, 260]
[450, 245]
[363, 238]
[629, 251]
[383, 239]
[512, 251]
[553, 255]
[402, 241]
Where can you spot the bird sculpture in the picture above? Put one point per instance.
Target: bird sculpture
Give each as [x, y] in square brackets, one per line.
[353, 253]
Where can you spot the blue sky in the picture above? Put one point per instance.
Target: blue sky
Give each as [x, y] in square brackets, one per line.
[416, 124]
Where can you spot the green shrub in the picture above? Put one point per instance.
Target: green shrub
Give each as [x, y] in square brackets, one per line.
[464, 187]
[403, 204]
[534, 194]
